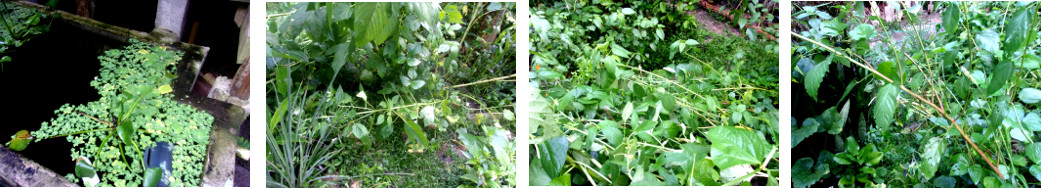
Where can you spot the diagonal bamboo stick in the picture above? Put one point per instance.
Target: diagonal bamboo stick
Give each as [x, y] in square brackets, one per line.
[951, 120]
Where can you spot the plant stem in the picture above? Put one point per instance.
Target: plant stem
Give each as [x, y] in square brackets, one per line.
[468, 24]
[940, 110]
[75, 133]
[483, 81]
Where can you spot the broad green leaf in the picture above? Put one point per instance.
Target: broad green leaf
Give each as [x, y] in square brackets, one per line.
[976, 172]
[962, 88]
[862, 31]
[704, 172]
[563, 180]
[1035, 170]
[619, 51]
[815, 76]
[1017, 29]
[360, 131]
[164, 89]
[1030, 95]
[282, 81]
[951, 18]
[549, 75]
[416, 84]
[1030, 62]
[386, 130]
[870, 155]
[508, 115]
[832, 27]
[809, 126]
[552, 154]
[885, 105]
[21, 141]
[374, 22]
[991, 182]
[340, 57]
[610, 130]
[888, 69]
[125, 131]
[1033, 151]
[999, 75]
[961, 165]
[628, 11]
[536, 175]
[988, 41]
[646, 179]
[1020, 134]
[452, 12]
[1032, 122]
[932, 153]
[414, 131]
[627, 111]
[803, 174]
[152, 176]
[84, 169]
[733, 146]
[945, 182]
[836, 128]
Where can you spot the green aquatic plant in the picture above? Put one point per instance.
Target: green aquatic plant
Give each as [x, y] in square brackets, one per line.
[135, 112]
[17, 26]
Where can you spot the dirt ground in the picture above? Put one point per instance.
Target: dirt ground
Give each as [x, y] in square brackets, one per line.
[710, 23]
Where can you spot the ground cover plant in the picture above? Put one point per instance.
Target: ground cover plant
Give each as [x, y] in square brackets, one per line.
[391, 94]
[622, 97]
[943, 96]
[135, 112]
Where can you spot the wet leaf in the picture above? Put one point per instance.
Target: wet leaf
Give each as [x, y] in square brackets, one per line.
[126, 130]
[84, 169]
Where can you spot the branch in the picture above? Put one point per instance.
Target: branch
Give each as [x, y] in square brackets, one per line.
[483, 81]
[943, 113]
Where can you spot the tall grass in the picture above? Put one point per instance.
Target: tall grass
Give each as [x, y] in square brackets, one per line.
[298, 140]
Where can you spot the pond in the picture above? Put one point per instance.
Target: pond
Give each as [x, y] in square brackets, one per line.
[51, 70]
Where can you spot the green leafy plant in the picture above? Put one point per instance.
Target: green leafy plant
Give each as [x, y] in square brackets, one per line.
[598, 118]
[349, 78]
[856, 164]
[18, 26]
[135, 112]
[924, 92]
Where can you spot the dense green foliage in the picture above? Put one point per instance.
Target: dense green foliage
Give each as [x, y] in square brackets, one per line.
[17, 26]
[597, 118]
[134, 112]
[947, 103]
[391, 94]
